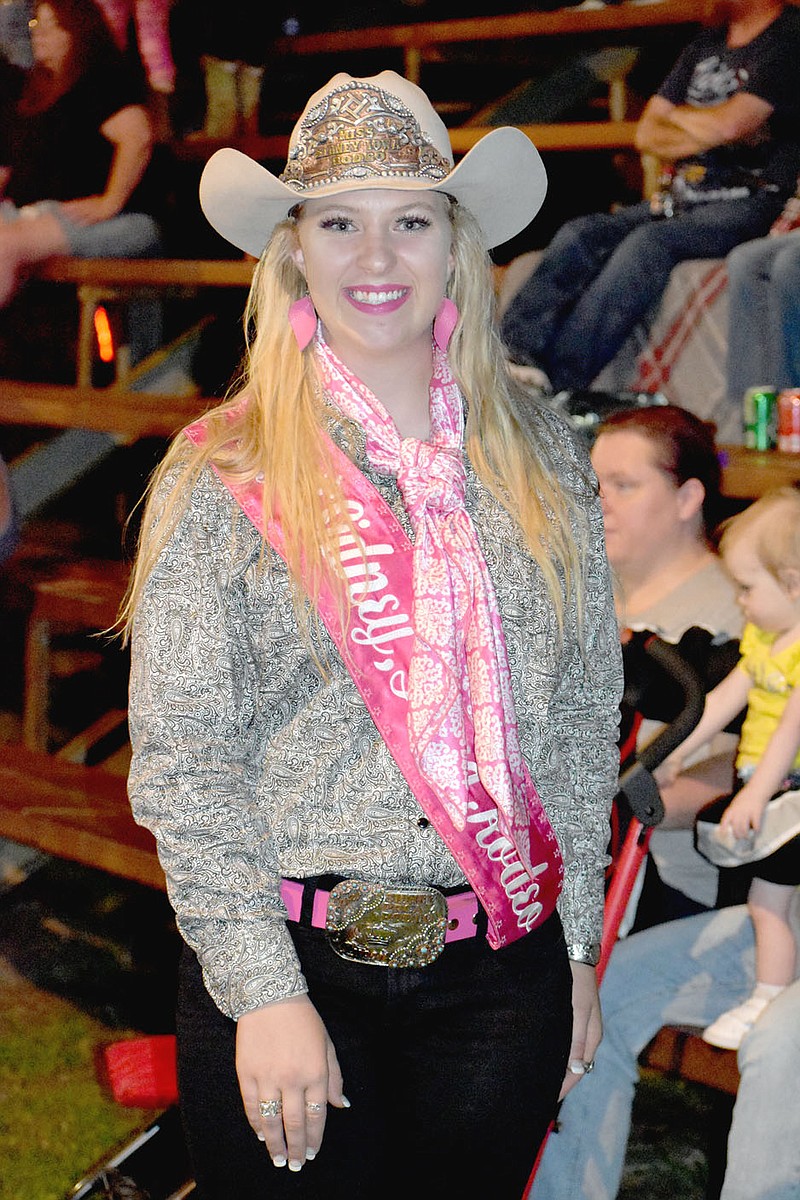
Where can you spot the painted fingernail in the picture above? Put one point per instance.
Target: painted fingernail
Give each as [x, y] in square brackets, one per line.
[279, 1161]
[294, 1165]
[260, 1137]
[345, 1102]
[310, 1155]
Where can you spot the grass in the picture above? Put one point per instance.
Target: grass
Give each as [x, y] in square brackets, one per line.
[56, 1121]
[84, 960]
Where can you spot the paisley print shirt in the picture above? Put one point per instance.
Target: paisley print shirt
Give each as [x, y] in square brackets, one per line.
[249, 763]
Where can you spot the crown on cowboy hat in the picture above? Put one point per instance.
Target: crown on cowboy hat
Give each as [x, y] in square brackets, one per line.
[377, 132]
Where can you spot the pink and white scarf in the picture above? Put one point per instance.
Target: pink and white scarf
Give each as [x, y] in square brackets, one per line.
[461, 715]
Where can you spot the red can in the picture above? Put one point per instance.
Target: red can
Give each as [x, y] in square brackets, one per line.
[789, 421]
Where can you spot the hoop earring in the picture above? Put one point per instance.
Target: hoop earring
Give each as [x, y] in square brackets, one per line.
[303, 320]
[444, 323]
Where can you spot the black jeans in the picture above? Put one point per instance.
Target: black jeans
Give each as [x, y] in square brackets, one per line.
[453, 1073]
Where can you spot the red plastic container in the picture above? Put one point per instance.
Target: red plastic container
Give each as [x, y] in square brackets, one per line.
[142, 1072]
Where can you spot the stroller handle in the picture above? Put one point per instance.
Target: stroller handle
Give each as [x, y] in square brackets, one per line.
[694, 698]
[637, 783]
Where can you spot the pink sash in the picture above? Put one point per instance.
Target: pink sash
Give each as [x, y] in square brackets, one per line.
[517, 874]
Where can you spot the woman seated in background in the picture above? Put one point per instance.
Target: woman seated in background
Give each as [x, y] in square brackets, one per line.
[75, 145]
[659, 476]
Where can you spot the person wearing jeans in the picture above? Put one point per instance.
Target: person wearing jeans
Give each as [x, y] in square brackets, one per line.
[764, 315]
[725, 122]
[602, 273]
[686, 972]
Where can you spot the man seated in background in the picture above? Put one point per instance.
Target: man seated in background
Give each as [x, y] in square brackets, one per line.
[726, 122]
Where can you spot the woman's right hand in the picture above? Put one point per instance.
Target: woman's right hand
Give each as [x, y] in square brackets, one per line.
[283, 1053]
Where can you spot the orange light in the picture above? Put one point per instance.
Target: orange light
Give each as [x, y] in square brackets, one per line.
[105, 338]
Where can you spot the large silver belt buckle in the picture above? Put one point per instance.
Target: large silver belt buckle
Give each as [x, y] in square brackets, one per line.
[387, 927]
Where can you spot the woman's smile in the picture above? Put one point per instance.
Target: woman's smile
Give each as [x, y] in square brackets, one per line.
[373, 299]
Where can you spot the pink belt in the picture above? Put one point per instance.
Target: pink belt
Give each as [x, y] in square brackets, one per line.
[462, 909]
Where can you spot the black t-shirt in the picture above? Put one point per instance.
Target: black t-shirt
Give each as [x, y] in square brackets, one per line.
[60, 154]
[708, 72]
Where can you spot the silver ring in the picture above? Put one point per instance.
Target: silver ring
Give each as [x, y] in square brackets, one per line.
[313, 1106]
[580, 1066]
[270, 1108]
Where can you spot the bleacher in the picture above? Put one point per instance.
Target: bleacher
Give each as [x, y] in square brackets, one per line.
[49, 797]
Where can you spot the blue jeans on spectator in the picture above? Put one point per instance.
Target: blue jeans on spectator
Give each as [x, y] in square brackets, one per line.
[764, 314]
[128, 235]
[452, 1072]
[603, 273]
[686, 972]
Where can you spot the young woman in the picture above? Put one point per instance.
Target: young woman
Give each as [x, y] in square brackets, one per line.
[375, 685]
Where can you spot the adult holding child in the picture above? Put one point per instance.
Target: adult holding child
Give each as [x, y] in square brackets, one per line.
[375, 685]
[659, 475]
[732, 972]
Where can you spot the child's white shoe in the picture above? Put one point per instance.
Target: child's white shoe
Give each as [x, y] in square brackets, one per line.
[729, 1029]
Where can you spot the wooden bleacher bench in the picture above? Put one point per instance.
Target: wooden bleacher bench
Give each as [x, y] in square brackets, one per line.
[100, 280]
[555, 136]
[747, 474]
[680, 1052]
[420, 41]
[74, 812]
[129, 414]
[148, 272]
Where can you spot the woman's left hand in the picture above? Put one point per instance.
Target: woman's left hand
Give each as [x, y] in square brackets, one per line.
[90, 210]
[587, 1025]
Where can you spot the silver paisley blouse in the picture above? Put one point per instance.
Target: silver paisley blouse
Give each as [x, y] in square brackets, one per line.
[249, 763]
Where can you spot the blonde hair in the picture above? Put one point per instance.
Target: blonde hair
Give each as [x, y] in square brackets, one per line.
[771, 527]
[273, 422]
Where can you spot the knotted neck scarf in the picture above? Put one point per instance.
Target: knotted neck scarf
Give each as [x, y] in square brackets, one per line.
[460, 703]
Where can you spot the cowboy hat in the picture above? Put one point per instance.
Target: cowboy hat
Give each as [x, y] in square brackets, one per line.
[377, 132]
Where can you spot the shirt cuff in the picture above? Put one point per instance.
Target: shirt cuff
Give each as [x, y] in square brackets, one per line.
[584, 952]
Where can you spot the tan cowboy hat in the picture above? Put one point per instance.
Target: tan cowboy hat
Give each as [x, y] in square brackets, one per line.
[376, 132]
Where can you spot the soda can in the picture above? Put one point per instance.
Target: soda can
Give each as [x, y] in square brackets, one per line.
[789, 421]
[760, 418]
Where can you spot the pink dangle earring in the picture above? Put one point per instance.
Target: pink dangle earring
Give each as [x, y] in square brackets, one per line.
[303, 320]
[444, 323]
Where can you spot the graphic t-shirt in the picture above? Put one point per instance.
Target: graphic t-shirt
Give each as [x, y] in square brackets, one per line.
[708, 73]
